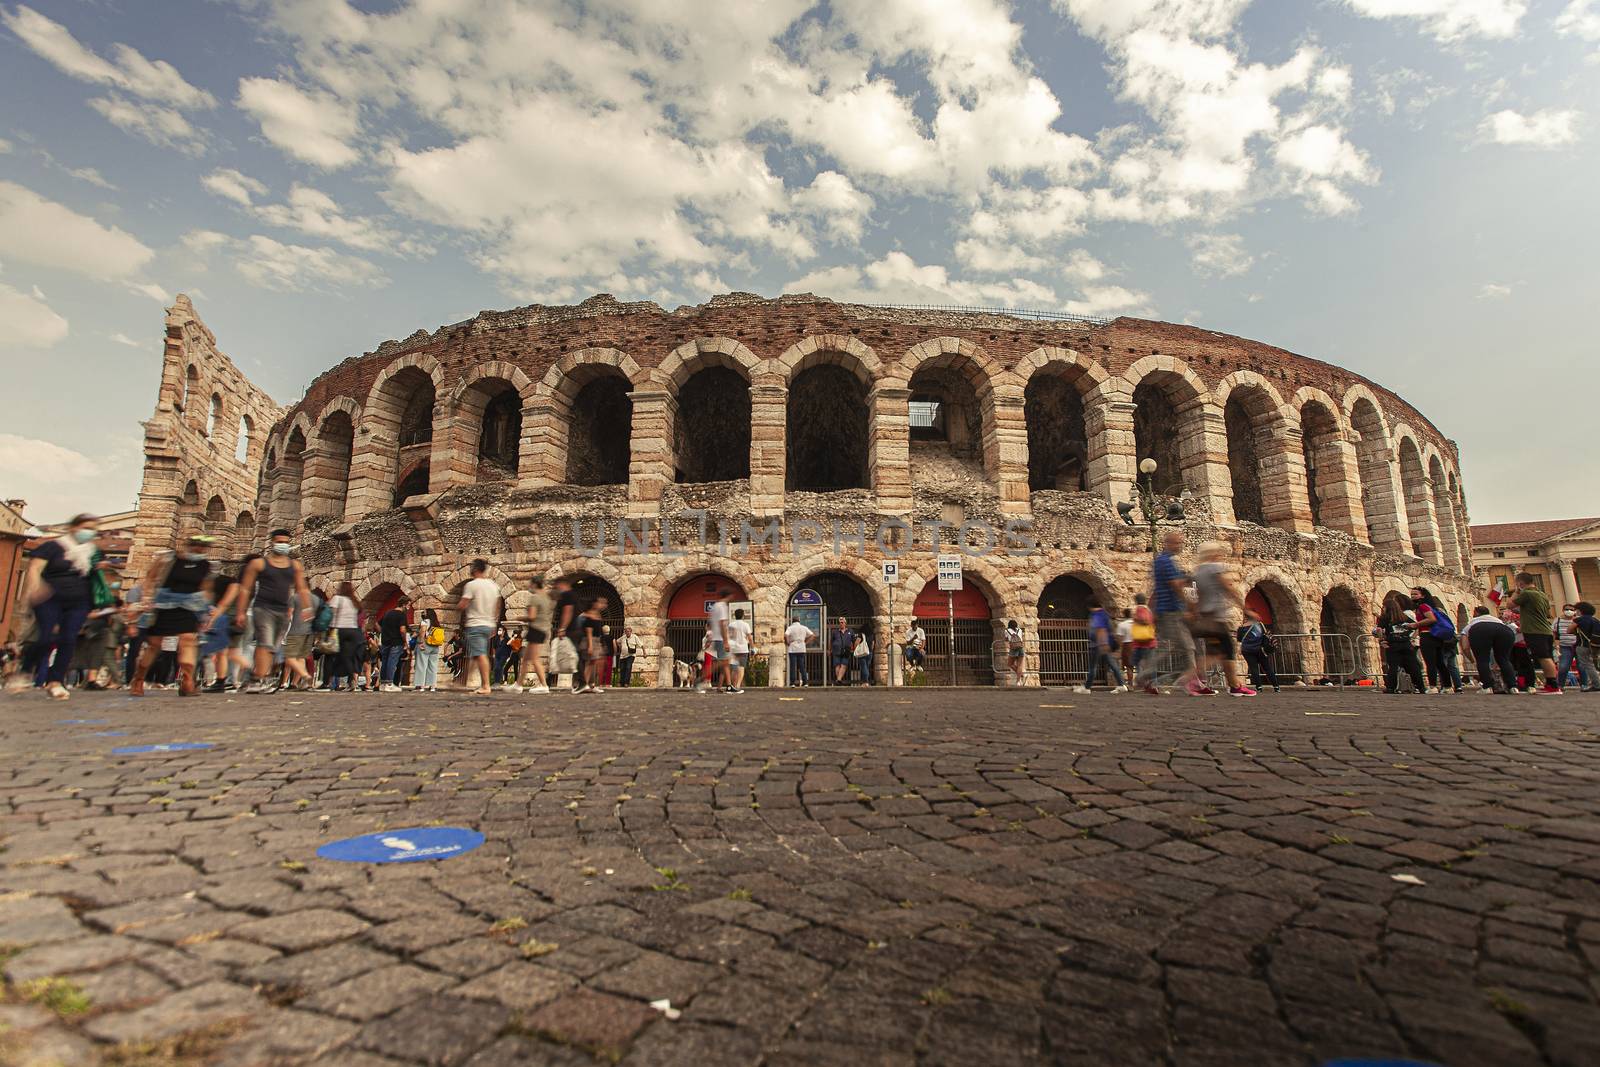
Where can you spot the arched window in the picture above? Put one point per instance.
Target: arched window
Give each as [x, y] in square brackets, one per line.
[241, 447]
[711, 435]
[214, 415]
[1158, 430]
[1058, 440]
[600, 431]
[827, 430]
[1244, 462]
[191, 386]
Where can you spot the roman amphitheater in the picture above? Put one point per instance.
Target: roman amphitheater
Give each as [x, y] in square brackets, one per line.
[636, 449]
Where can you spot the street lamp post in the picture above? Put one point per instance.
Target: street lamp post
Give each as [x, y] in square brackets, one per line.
[1148, 502]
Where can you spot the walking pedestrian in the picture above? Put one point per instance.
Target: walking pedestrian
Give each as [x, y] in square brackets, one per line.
[1395, 628]
[795, 639]
[1102, 651]
[627, 651]
[1216, 596]
[347, 624]
[297, 646]
[1491, 642]
[564, 653]
[430, 643]
[738, 650]
[1566, 627]
[480, 607]
[717, 619]
[1533, 611]
[59, 589]
[590, 624]
[1587, 629]
[268, 584]
[1171, 591]
[1142, 635]
[175, 599]
[1016, 652]
[1122, 637]
[535, 637]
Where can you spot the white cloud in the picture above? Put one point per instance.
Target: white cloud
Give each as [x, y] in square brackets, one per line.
[127, 70]
[1450, 20]
[1549, 128]
[1220, 254]
[1580, 19]
[124, 339]
[5, 145]
[287, 268]
[314, 127]
[1105, 301]
[233, 185]
[1493, 291]
[315, 213]
[839, 207]
[30, 323]
[45, 233]
[150, 289]
[58, 482]
[159, 125]
[897, 279]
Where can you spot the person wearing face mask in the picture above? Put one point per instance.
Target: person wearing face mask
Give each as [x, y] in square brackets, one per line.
[271, 580]
[58, 584]
[175, 597]
[1567, 644]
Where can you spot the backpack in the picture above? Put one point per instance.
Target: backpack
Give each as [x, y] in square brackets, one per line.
[1442, 629]
[322, 622]
[436, 636]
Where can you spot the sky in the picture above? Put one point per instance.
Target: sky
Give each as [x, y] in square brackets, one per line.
[1403, 187]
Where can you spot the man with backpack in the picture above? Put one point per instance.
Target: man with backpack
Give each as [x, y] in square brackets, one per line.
[1259, 646]
[1586, 628]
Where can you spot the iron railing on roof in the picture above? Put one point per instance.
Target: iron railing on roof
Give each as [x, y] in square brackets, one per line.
[1016, 313]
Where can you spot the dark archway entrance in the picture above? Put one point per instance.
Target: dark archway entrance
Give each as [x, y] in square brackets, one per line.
[1058, 441]
[1344, 628]
[841, 596]
[1280, 614]
[500, 440]
[586, 587]
[827, 431]
[600, 432]
[415, 483]
[687, 611]
[711, 435]
[1064, 630]
[1156, 432]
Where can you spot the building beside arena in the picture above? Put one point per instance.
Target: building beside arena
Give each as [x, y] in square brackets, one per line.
[794, 444]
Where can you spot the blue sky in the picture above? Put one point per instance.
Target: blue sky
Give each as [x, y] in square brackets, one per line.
[1403, 187]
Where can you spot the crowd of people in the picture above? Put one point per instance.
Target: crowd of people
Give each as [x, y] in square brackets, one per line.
[189, 623]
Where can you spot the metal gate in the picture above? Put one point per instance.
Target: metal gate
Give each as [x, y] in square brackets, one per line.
[685, 636]
[1063, 651]
[968, 660]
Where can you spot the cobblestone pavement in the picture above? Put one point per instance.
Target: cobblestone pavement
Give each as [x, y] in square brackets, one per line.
[881, 877]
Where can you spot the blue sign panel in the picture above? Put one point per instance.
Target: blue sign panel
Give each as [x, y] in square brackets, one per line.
[403, 846]
[806, 598]
[175, 746]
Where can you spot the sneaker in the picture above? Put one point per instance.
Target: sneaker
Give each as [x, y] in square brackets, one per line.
[1197, 689]
[1549, 690]
[511, 688]
[1081, 689]
[257, 687]
[1241, 691]
[736, 690]
[536, 689]
[217, 687]
[390, 688]
[1120, 689]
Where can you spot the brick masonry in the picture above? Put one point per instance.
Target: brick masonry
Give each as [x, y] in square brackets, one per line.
[1387, 484]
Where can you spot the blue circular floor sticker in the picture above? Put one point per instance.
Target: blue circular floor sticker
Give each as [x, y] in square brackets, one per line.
[403, 846]
[175, 746]
[82, 722]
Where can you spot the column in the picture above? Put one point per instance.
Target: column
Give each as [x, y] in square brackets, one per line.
[542, 452]
[889, 452]
[1005, 451]
[1113, 467]
[1342, 507]
[323, 481]
[1285, 499]
[450, 462]
[371, 473]
[769, 420]
[1569, 580]
[650, 466]
[1203, 452]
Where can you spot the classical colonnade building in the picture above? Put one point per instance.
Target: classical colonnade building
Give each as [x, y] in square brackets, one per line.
[798, 438]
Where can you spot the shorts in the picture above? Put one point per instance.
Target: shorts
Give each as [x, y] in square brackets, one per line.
[1215, 632]
[841, 661]
[536, 636]
[740, 658]
[298, 646]
[718, 653]
[1015, 652]
[478, 638]
[271, 625]
[1540, 646]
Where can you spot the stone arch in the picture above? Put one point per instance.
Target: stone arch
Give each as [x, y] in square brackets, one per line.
[1344, 622]
[325, 483]
[581, 430]
[869, 574]
[242, 439]
[1385, 518]
[396, 430]
[1169, 422]
[284, 483]
[450, 584]
[842, 350]
[489, 416]
[666, 581]
[1332, 482]
[191, 393]
[1064, 431]
[1444, 512]
[827, 427]
[244, 532]
[1262, 467]
[386, 576]
[214, 416]
[709, 425]
[1287, 611]
[954, 401]
[217, 523]
[1458, 500]
[1420, 520]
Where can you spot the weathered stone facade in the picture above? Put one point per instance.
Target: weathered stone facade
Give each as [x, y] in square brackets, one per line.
[203, 445]
[398, 465]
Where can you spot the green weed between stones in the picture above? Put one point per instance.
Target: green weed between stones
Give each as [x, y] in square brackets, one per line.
[61, 995]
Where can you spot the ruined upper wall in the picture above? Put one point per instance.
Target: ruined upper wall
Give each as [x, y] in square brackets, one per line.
[194, 469]
[535, 337]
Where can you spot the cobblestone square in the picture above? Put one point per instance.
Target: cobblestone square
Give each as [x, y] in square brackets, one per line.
[805, 877]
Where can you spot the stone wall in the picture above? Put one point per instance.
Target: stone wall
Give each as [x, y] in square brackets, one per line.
[203, 445]
[1387, 482]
